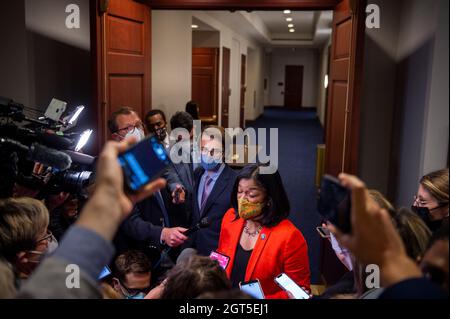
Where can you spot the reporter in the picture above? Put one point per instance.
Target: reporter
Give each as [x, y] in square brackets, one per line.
[431, 200]
[375, 241]
[87, 244]
[24, 237]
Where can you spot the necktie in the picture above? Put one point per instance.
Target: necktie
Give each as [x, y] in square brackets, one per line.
[206, 191]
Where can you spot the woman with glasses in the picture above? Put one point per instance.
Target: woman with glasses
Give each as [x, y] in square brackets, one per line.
[24, 237]
[431, 200]
[256, 236]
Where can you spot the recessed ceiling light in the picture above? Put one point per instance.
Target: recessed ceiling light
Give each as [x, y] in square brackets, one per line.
[290, 25]
[287, 11]
[291, 30]
[194, 26]
[288, 19]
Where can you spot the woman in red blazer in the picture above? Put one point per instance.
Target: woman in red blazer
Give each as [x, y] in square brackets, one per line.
[257, 237]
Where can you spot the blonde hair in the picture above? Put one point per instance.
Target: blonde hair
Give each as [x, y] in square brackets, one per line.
[436, 183]
[21, 222]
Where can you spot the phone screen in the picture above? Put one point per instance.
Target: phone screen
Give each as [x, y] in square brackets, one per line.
[288, 284]
[143, 162]
[105, 273]
[252, 288]
[335, 203]
[221, 259]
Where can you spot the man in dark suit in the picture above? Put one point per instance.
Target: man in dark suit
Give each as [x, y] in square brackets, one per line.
[214, 181]
[150, 223]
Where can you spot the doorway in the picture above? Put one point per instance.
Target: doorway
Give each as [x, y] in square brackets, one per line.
[293, 92]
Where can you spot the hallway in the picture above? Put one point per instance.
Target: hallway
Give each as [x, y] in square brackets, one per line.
[299, 133]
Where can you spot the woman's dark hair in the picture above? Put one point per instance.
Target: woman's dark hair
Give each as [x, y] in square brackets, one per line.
[196, 276]
[277, 208]
[192, 108]
[182, 120]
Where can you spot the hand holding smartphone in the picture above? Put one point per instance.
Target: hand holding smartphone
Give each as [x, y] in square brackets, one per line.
[334, 203]
[287, 284]
[142, 163]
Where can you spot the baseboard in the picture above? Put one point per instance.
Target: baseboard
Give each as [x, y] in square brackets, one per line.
[296, 109]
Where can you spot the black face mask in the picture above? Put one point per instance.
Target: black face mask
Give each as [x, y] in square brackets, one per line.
[424, 214]
[161, 133]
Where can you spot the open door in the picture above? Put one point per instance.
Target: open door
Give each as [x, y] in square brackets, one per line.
[343, 110]
[123, 66]
[205, 78]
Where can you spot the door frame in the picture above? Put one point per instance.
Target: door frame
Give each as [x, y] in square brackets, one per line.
[242, 5]
[351, 150]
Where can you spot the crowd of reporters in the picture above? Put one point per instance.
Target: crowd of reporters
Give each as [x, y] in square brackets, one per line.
[142, 238]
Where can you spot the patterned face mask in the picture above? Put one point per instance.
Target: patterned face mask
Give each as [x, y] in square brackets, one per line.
[248, 210]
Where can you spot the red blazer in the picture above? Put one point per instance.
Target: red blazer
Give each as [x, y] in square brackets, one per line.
[278, 249]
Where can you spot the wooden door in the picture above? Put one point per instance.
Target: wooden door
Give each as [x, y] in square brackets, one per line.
[226, 92]
[123, 67]
[205, 71]
[343, 110]
[293, 89]
[243, 90]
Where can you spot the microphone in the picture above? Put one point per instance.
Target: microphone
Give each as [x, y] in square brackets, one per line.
[185, 255]
[41, 154]
[49, 157]
[203, 223]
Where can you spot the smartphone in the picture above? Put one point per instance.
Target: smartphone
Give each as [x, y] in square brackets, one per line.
[287, 284]
[323, 232]
[106, 271]
[142, 163]
[253, 289]
[334, 203]
[221, 259]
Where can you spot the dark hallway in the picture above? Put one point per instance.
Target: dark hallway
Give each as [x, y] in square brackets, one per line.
[299, 133]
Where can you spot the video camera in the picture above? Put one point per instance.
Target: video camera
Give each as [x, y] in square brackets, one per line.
[26, 140]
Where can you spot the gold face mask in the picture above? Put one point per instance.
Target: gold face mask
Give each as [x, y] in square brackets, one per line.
[248, 210]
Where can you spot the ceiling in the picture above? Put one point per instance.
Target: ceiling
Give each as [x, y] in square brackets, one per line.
[270, 28]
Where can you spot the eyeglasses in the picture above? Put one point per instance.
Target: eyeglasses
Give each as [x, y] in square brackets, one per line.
[419, 201]
[48, 238]
[215, 152]
[129, 292]
[130, 128]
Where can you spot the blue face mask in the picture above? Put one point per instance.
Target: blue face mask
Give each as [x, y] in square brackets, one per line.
[209, 163]
[140, 295]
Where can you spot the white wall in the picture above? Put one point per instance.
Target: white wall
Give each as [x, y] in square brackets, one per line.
[205, 39]
[404, 106]
[283, 57]
[436, 126]
[424, 120]
[254, 97]
[171, 60]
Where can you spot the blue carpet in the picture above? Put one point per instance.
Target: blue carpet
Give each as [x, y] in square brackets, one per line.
[299, 133]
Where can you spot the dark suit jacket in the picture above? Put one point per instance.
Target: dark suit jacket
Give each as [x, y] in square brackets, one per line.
[217, 204]
[182, 174]
[144, 225]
